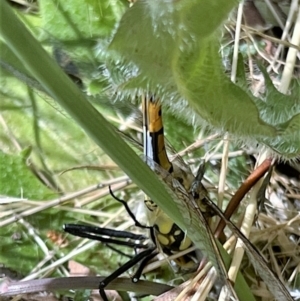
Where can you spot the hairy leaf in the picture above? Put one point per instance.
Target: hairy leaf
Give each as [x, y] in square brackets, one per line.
[172, 48]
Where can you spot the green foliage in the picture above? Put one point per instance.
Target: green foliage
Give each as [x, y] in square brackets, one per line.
[79, 20]
[169, 54]
[162, 48]
[17, 244]
[17, 180]
[82, 295]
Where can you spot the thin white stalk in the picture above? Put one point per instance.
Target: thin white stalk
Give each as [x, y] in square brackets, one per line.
[206, 285]
[223, 171]
[236, 41]
[274, 13]
[55, 202]
[291, 57]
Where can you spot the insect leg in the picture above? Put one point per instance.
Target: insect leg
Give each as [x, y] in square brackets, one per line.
[199, 192]
[137, 223]
[261, 194]
[129, 264]
[137, 275]
[97, 233]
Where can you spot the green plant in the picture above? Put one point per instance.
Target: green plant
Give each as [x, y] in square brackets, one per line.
[187, 67]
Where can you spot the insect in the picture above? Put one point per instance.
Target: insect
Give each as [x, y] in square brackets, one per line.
[169, 237]
[163, 231]
[167, 233]
[192, 200]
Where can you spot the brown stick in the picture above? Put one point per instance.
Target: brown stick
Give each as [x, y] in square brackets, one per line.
[241, 192]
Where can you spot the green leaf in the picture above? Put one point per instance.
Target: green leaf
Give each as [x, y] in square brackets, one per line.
[71, 18]
[182, 64]
[17, 180]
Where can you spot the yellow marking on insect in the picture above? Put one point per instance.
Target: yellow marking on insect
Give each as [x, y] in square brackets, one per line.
[154, 141]
[185, 243]
[163, 240]
[163, 223]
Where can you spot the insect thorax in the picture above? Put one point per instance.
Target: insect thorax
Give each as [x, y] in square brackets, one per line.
[168, 235]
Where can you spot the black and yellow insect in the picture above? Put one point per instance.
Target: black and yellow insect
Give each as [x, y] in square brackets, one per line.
[166, 235]
[193, 202]
[169, 237]
[191, 196]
